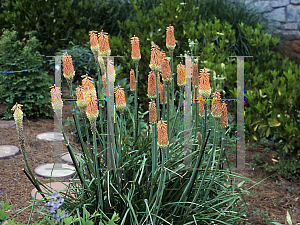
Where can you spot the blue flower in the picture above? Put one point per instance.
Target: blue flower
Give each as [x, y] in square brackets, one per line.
[50, 203]
[51, 209]
[54, 195]
[65, 215]
[60, 201]
[56, 216]
[56, 205]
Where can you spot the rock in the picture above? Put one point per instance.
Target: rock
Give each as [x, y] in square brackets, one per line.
[277, 15]
[295, 1]
[280, 3]
[291, 34]
[263, 6]
[292, 13]
[291, 26]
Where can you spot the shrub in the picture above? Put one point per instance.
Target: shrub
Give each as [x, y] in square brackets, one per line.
[58, 22]
[29, 88]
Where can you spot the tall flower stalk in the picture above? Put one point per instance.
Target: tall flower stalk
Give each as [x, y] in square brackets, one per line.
[136, 56]
[18, 117]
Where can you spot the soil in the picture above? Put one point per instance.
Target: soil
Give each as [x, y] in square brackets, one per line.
[273, 197]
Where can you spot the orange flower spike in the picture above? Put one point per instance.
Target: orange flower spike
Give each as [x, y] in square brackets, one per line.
[216, 109]
[170, 39]
[132, 80]
[151, 85]
[155, 65]
[92, 111]
[135, 52]
[180, 75]
[161, 91]
[104, 48]
[204, 85]
[166, 71]
[81, 102]
[162, 135]
[120, 99]
[94, 42]
[224, 117]
[195, 78]
[69, 72]
[88, 86]
[152, 113]
[57, 102]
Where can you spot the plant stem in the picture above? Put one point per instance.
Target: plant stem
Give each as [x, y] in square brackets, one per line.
[136, 131]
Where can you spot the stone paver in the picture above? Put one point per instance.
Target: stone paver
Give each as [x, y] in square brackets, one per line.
[6, 123]
[8, 150]
[67, 158]
[49, 136]
[60, 170]
[57, 186]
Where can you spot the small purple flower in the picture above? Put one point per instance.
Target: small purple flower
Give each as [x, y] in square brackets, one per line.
[56, 216]
[65, 215]
[60, 201]
[50, 203]
[54, 195]
[56, 205]
[51, 209]
[0, 191]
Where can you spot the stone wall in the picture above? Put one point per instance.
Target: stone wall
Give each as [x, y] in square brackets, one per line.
[284, 18]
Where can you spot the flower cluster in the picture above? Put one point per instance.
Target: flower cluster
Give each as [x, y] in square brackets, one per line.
[104, 48]
[216, 110]
[155, 63]
[180, 75]
[151, 85]
[120, 99]
[69, 72]
[204, 87]
[57, 102]
[166, 70]
[170, 39]
[152, 112]
[54, 204]
[135, 52]
[162, 135]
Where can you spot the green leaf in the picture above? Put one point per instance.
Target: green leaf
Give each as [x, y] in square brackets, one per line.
[288, 218]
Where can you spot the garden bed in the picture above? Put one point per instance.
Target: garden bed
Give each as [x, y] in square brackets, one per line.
[270, 199]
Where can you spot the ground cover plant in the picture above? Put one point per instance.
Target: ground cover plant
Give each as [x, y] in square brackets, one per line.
[166, 172]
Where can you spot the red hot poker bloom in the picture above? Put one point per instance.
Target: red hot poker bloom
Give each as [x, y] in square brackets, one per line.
[151, 85]
[69, 72]
[204, 86]
[94, 42]
[180, 75]
[132, 80]
[162, 135]
[152, 112]
[195, 78]
[104, 48]
[166, 71]
[155, 62]
[135, 52]
[170, 38]
[120, 99]
[224, 117]
[92, 111]
[216, 110]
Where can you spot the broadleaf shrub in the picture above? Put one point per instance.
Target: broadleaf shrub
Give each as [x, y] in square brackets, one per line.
[29, 88]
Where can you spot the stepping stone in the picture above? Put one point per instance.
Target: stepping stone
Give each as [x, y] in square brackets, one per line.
[49, 136]
[67, 158]
[6, 123]
[8, 150]
[60, 170]
[57, 186]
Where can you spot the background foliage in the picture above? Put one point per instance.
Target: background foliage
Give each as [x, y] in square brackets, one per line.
[29, 88]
